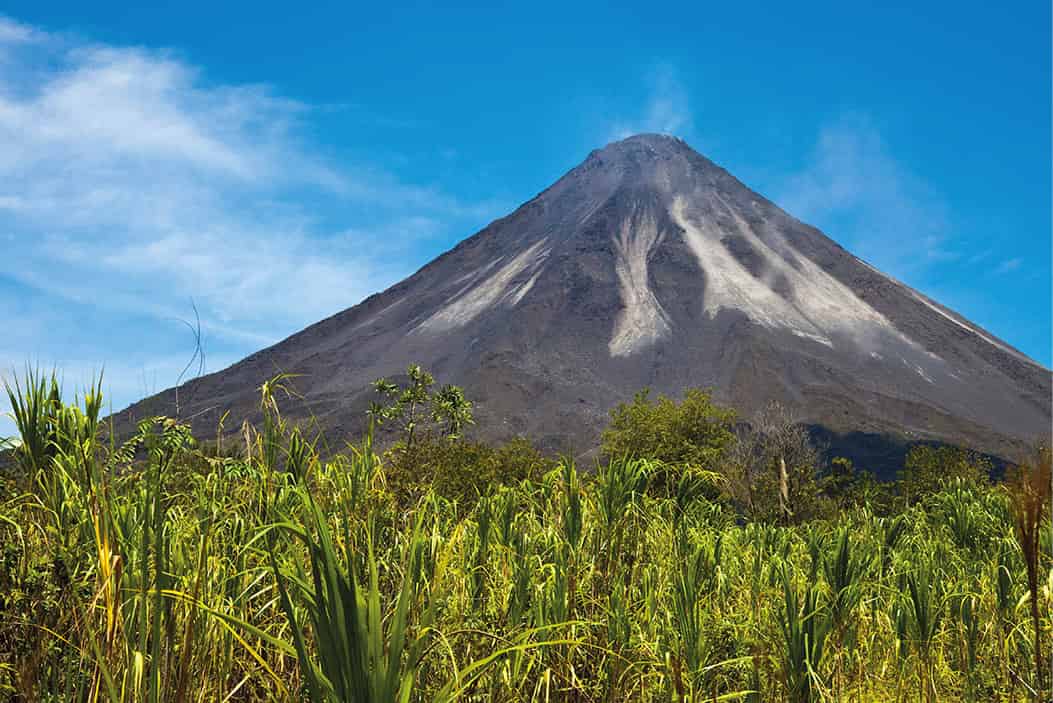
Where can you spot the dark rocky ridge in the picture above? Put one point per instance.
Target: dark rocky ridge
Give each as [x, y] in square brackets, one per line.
[648, 265]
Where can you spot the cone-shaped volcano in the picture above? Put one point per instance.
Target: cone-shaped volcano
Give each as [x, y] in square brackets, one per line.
[648, 265]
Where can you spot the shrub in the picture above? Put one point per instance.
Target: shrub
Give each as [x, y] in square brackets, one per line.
[929, 468]
[461, 470]
[693, 432]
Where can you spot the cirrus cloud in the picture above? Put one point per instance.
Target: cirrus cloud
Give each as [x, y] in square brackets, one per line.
[131, 182]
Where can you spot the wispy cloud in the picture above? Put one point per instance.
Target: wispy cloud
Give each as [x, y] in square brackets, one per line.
[130, 180]
[667, 109]
[125, 165]
[854, 188]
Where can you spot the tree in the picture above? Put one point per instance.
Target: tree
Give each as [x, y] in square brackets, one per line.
[771, 467]
[928, 468]
[846, 485]
[413, 404]
[451, 410]
[461, 470]
[694, 432]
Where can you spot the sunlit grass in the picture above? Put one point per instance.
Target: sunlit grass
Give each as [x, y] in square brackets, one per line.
[161, 570]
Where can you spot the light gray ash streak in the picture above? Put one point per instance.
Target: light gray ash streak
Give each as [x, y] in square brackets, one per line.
[649, 265]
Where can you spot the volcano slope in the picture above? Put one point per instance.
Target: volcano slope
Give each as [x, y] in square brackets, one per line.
[649, 266]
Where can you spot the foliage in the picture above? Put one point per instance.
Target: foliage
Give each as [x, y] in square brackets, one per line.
[460, 470]
[692, 433]
[161, 569]
[1029, 492]
[35, 400]
[928, 468]
[805, 626]
[848, 486]
[359, 656]
[415, 405]
[772, 468]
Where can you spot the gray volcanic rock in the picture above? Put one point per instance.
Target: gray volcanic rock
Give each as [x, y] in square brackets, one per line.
[648, 265]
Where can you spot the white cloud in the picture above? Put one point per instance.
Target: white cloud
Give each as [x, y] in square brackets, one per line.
[131, 182]
[12, 32]
[666, 111]
[126, 166]
[857, 192]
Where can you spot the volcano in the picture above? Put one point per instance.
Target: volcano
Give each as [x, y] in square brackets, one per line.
[650, 266]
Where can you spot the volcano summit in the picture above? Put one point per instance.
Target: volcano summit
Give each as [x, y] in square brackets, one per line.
[649, 265]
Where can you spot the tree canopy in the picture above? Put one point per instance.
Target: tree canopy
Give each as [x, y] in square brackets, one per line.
[693, 432]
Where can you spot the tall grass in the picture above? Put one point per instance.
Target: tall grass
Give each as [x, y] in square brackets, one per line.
[1030, 492]
[261, 568]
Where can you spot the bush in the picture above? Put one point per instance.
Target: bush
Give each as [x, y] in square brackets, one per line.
[845, 486]
[693, 432]
[461, 470]
[928, 468]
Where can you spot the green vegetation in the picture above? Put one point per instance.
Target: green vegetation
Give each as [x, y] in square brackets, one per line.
[927, 468]
[415, 405]
[693, 432]
[700, 561]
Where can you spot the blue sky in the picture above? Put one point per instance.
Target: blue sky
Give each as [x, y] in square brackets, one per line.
[271, 167]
